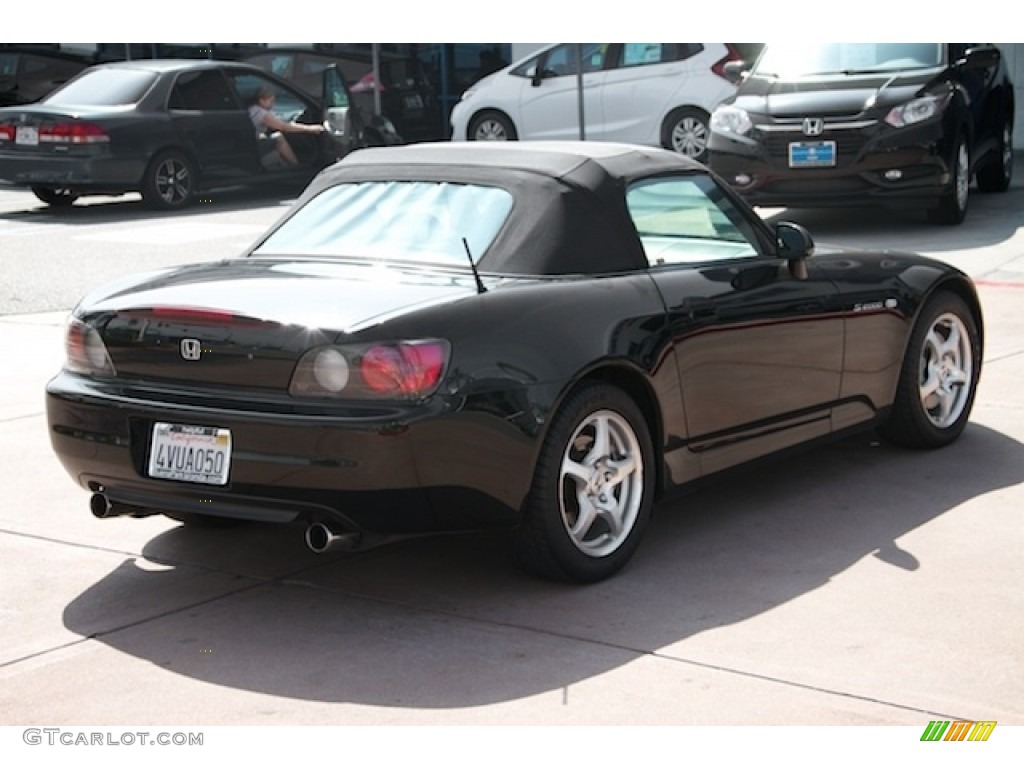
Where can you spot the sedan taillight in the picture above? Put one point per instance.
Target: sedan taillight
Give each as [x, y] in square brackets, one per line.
[73, 133]
[6, 132]
[405, 370]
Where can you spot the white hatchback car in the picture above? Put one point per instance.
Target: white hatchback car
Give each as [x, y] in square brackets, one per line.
[657, 94]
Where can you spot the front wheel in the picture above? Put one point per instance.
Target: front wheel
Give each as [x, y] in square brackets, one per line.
[939, 376]
[952, 206]
[491, 126]
[58, 197]
[996, 176]
[592, 491]
[170, 182]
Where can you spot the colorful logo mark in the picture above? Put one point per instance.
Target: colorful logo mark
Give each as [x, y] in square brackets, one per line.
[959, 730]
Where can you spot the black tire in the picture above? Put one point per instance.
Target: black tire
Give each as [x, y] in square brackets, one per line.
[944, 358]
[491, 126]
[617, 487]
[996, 175]
[952, 206]
[170, 182]
[686, 130]
[58, 197]
[193, 520]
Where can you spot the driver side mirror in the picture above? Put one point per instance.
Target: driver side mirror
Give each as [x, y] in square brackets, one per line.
[793, 241]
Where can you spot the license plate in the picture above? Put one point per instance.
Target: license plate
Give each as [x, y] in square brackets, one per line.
[190, 454]
[26, 134]
[413, 102]
[812, 154]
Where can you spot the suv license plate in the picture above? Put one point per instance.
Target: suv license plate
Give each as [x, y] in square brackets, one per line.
[812, 154]
[190, 454]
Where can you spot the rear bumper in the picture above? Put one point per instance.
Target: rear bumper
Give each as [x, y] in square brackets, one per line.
[94, 173]
[383, 476]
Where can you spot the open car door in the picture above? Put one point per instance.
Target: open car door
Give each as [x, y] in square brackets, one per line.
[340, 116]
[347, 126]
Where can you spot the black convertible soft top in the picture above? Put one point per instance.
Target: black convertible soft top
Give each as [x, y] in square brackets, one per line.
[569, 215]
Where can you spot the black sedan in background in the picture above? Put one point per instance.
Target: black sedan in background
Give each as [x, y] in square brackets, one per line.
[171, 130]
[892, 124]
[539, 337]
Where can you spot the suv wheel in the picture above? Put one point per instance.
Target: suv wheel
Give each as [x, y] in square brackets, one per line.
[953, 205]
[995, 177]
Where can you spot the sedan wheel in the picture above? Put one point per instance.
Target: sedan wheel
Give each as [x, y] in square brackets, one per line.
[953, 206]
[939, 376]
[686, 131]
[592, 494]
[170, 182]
[491, 126]
[58, 197]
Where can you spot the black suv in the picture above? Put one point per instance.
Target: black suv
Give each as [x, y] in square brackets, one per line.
[905, 124]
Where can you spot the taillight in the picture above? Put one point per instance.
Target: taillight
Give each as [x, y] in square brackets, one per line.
[85, 350]
[405, 370]
[73, 133]
[732, 55]
[6, 132]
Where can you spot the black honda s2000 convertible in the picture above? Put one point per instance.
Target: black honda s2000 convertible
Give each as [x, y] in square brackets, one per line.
[545, 338]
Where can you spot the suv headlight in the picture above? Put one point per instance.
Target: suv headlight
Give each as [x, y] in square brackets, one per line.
[730, 119]
[916, 110]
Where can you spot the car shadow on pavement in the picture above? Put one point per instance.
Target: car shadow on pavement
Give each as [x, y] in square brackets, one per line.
[991, 219]
[104, 210]
[448, 622]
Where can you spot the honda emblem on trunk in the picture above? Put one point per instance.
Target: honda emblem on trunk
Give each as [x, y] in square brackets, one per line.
[191, 349]
[814, 126]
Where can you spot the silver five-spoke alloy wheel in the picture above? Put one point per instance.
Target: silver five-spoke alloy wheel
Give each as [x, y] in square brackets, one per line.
[946, 370]
[601, 482]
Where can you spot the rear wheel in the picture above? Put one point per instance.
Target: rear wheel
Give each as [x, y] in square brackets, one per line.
[491, 126]
[686, 131]
[170, 181]
[996, 176]
[592, 491]
[953, 205]
[58, 197]
[939, 376]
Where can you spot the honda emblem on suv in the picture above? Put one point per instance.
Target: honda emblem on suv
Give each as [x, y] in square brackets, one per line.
[191, 349]
[813, 126]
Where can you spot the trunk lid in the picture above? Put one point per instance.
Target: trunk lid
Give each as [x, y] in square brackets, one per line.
[246, 322]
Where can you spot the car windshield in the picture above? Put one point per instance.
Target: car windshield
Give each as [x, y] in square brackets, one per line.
[788, 61]
[417, 221]
[104, 87]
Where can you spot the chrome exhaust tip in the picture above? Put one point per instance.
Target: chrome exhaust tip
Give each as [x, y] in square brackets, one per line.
[321, 538]
[101, 507]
